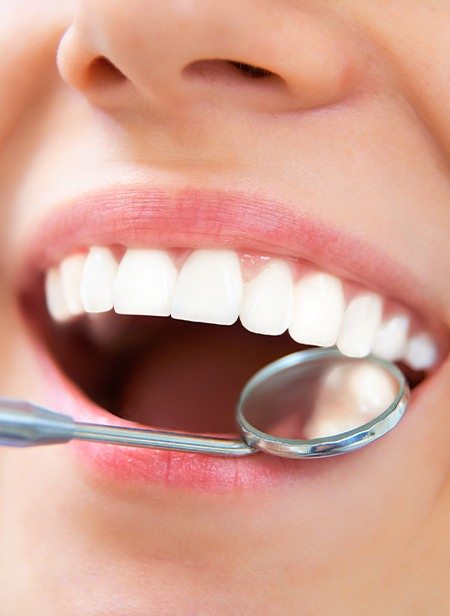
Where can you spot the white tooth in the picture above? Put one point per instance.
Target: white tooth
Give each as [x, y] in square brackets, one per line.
[56, 303]
[318, 309]
[371, 390]
[328, 427]
[144, 283]
[209, 288]
[71, 270]
[348, 396]
[421, 352]
[390, 338]
[267, 302]
[361, 320]
[97, 280]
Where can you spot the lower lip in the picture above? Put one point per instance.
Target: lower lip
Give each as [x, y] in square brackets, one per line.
[181, 470]
[153, 466]
[190, 471]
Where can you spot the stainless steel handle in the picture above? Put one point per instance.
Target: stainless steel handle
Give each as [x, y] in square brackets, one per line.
[23, 424]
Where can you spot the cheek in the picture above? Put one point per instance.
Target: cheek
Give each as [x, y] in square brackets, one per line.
[416, 41]
[30, 31]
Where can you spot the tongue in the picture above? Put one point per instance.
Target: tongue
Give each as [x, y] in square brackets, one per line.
[191, 379]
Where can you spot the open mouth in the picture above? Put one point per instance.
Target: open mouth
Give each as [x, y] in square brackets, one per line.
[226, 315]
[166, 336]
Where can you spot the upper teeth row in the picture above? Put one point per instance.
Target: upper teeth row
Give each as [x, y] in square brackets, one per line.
[209, 288]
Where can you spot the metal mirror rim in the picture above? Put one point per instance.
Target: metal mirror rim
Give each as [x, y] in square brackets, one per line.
[324, 446]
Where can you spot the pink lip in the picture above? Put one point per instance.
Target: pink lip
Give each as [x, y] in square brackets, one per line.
[190, 218]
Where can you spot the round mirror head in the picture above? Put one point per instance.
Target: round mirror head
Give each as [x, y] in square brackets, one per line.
[319, 403]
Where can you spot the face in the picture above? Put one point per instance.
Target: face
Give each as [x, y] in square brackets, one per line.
[284, 162]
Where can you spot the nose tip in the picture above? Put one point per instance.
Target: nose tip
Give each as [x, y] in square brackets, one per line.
[239, 54]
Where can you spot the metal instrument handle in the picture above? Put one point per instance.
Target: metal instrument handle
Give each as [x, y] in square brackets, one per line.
[23, 424]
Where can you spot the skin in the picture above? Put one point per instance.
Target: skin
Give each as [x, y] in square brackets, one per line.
[359, 137]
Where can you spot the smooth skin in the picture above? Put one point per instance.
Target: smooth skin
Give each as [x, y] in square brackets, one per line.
[354, 128]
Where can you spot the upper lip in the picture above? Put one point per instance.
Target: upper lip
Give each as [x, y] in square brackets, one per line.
[192, 218]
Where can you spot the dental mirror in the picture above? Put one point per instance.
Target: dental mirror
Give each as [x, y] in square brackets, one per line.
[312, 403]
[319, 403]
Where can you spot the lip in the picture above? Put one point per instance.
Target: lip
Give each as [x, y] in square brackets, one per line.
[142, 217]
[191, 218]
[169, 468]
[210, 474]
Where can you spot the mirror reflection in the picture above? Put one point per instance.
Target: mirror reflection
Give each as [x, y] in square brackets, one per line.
[323, 398]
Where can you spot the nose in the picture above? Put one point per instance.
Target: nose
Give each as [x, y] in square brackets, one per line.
[263, 56]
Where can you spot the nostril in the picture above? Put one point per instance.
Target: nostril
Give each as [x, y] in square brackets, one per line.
[229, 70]
[254, 72]
[102, 72]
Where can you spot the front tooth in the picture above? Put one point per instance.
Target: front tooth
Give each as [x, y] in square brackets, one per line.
[144, 283]
[390, 339]
[361, 320]
[421, 352]
[267, 301]
[56, 303]
[71, 271]
[318, 308]
[209, 288]
[97, 280]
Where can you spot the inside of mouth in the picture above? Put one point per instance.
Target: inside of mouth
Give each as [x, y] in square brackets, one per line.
[157, 371]
[162, 372]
